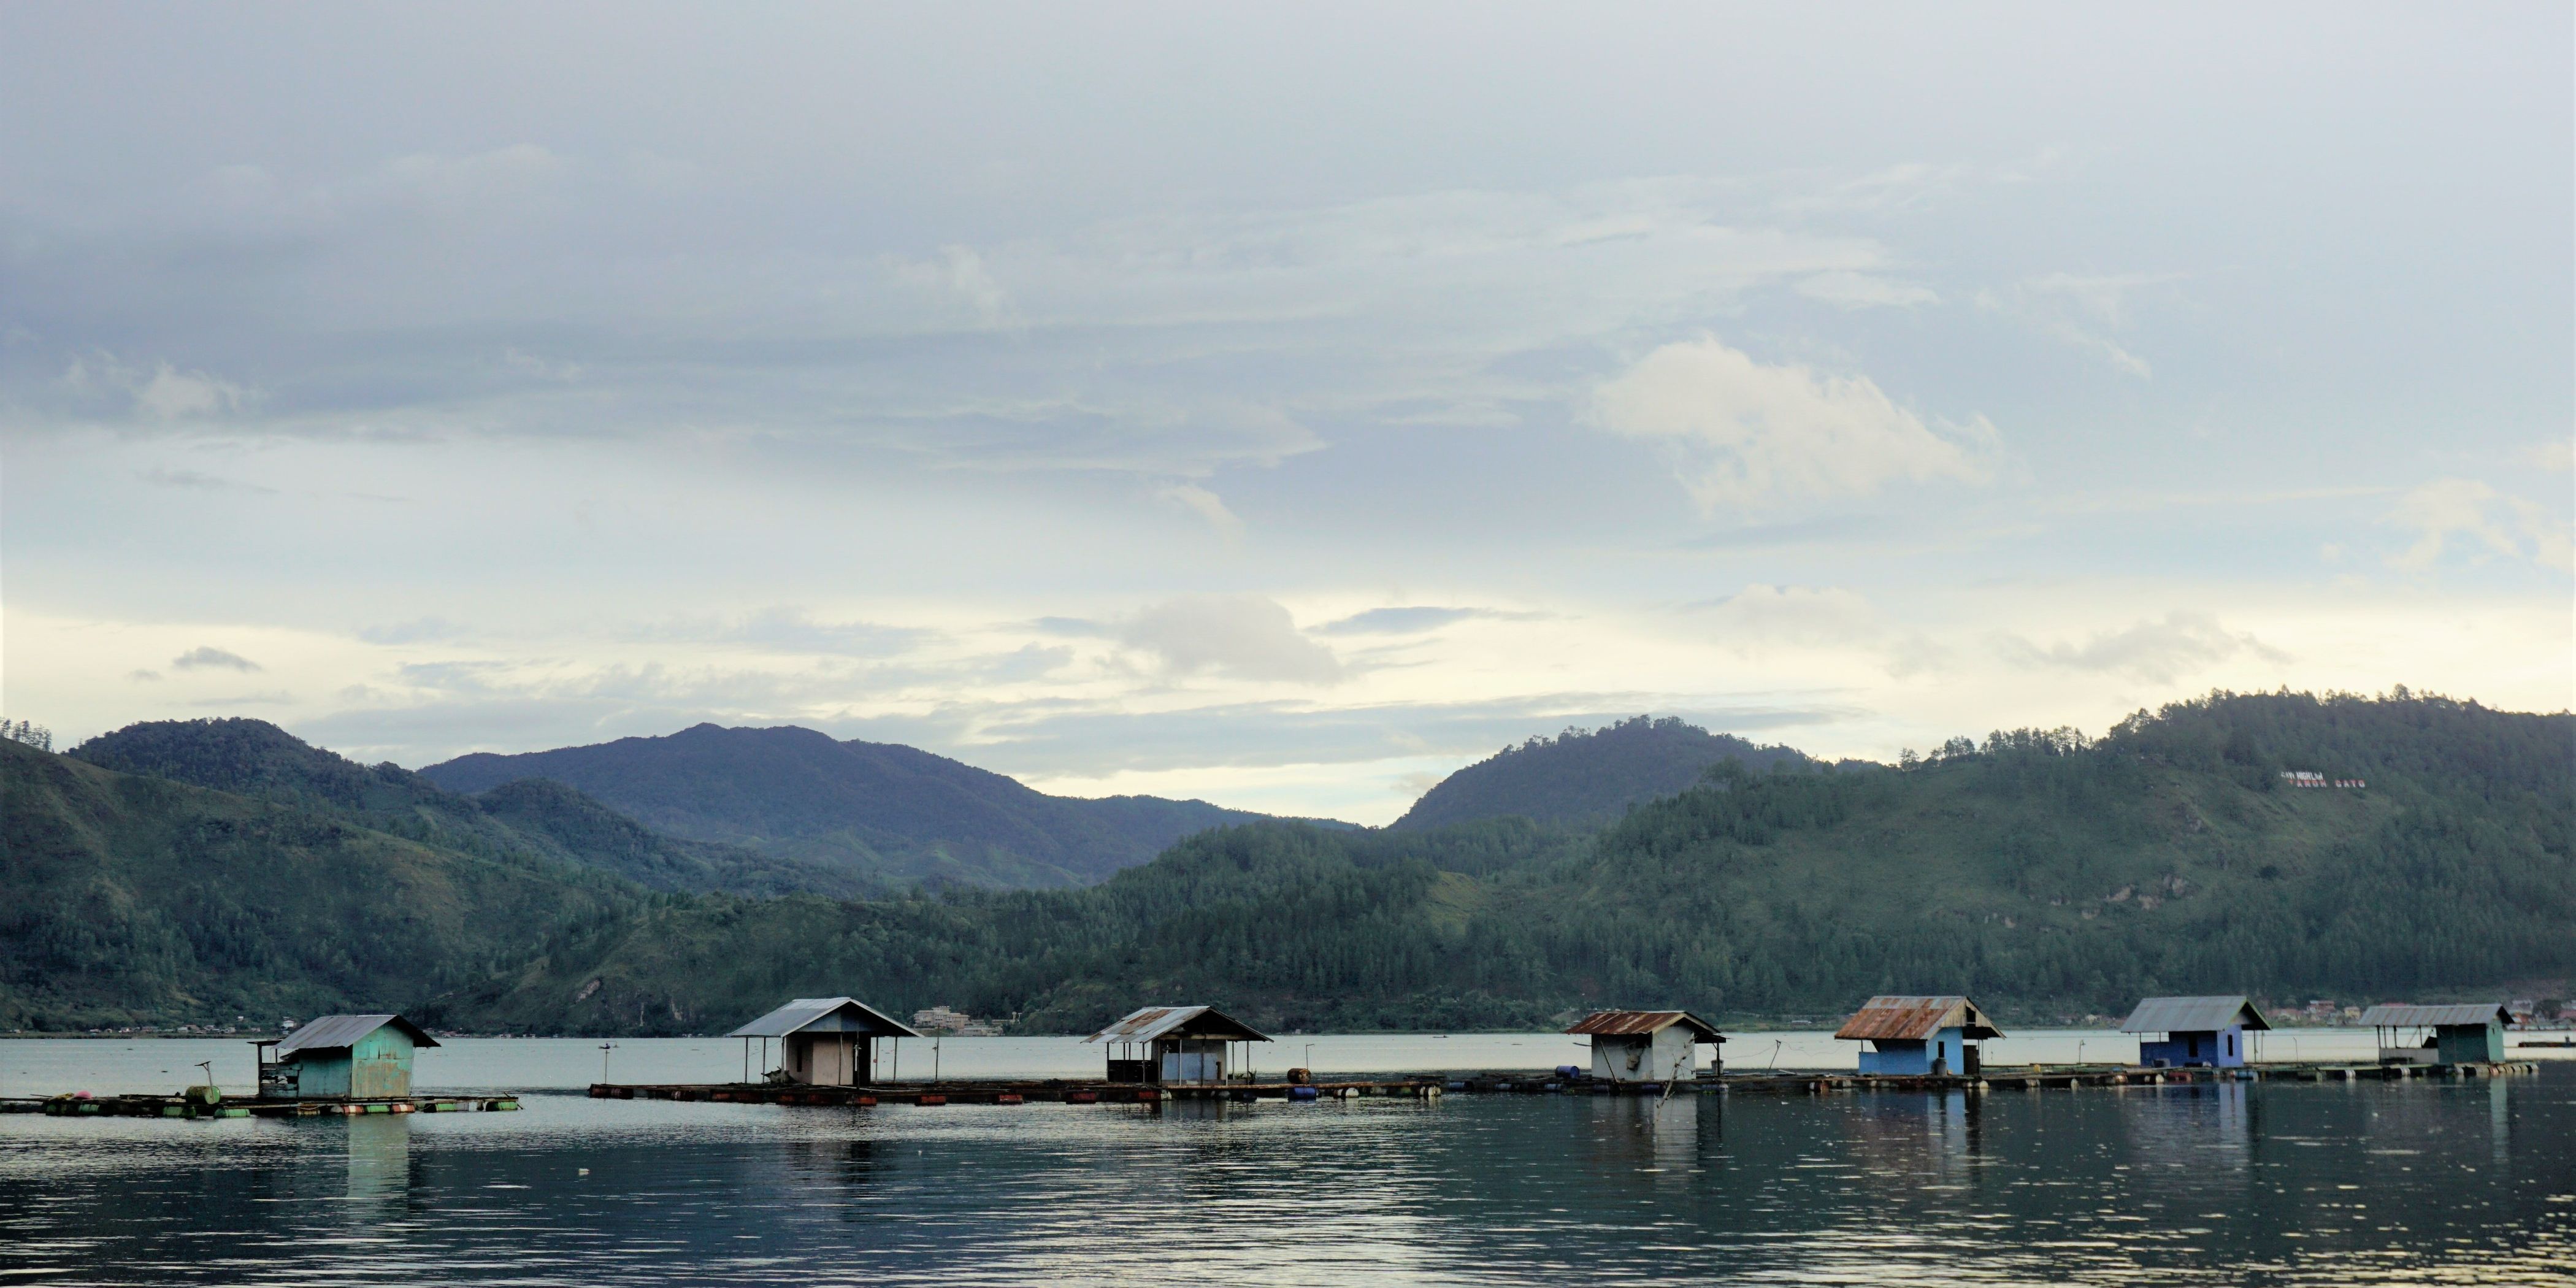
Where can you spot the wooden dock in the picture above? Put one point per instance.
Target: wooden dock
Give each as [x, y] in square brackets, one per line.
[182, 1106]
[1433, 1086]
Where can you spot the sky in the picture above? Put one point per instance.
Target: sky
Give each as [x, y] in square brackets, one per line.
[1279, 407]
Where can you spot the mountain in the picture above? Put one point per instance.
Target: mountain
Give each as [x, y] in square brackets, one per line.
[2047, 874]
[881, 809]
[1581, 779]
[134, 898]
[537, 822]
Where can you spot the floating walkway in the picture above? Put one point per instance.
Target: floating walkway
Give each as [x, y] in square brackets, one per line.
[1049, 1091]
[187, 1106]
[1432, 1087]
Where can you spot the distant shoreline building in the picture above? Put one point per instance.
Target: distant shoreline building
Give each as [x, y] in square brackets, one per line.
[940, 1019]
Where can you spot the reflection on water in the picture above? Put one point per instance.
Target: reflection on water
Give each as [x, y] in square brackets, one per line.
[2329, 1183]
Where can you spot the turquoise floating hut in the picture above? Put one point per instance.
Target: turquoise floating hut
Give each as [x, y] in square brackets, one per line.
[342, 1057]
[2467, 1033]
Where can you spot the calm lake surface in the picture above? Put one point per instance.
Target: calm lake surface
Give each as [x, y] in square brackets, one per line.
[2336, 1183]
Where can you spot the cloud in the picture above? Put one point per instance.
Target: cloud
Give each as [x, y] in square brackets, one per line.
[2446, 508]
[1403, 621]
[2159, 652]
[1793, 615]
[419, 630]
[196, 479]
[2076, 308]
[1209, 507]
[2556, 457]
[207, 656]
[784, 629]
[1864, 290]
[173, 395]
[1744, 433]
[1244, 636]
[142, 676]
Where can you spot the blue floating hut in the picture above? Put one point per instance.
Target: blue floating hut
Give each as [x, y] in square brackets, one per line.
[1918, 1035]
[2203, 1031]
[342, 1057]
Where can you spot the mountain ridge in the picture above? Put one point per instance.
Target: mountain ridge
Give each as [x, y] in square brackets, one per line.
[892, 811]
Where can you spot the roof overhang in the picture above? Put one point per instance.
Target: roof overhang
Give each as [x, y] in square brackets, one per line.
[1606, 1024]
[1146, 1023]
[826, 1015]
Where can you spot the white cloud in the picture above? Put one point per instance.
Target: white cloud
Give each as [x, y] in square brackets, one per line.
[1244, 636]
[1209, 507]
[1745, 433]
[2446, 508]
[1864, 290]
[2077, 308]
[1804, 615]
[2157, 652]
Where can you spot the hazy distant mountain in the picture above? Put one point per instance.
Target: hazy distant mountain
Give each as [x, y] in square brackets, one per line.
[1581, 779]
[545, 822]
[880, 808]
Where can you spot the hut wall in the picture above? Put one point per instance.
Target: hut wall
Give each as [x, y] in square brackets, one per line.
[822, 1059]
[322, 1074]
[2470, 1043]
[1639, 1057]
[2222, 1048]
[380, 1065]
[1945, 1049]
[1191, 1059]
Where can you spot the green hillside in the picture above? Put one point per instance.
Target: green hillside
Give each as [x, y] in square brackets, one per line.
[136, 899]
[2046, 874]
[881, 810]
[533, 820]
[2043, 873]
[1583, 778]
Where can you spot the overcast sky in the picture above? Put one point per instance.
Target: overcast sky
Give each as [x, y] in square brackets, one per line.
[1281, 409]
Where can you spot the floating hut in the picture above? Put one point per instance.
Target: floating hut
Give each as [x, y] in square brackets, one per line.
[2468, 1033]
[1648, 1046]
[1169, 1044]
[2205, 1031]
[1919, 1036]
[341, 1057]
[823, 1041]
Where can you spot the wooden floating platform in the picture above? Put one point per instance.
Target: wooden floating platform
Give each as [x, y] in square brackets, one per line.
[133, 1106]
[1052, 1091]
[1430, 1087]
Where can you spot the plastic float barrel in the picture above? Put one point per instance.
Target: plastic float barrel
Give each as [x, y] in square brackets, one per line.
[929, 1099]
[1082, 1097]
[1008, 1098]
[1301, 1093]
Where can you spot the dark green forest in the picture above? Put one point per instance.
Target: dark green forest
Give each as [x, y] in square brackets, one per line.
[2046, 873]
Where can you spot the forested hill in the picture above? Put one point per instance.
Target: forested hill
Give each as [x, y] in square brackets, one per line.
[2045, 874]
[890, 811]
[1581, 778]
[537, 822]
[135, 898]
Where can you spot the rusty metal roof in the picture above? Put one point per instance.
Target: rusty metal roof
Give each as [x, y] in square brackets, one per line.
[340, 1032]
[1911, 1018]
[825, 1014]
[2192, 1015]
[2399, 1015]
[1619, 1023]
[1147, 1023]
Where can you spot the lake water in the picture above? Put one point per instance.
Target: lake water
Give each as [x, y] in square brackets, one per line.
[2277, 1182]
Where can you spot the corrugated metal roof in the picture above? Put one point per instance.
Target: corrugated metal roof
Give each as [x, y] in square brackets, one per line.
[2399, 1015]
[1146, 1023]
[805, 1011]
[1614, 1023]
[2192, 1015]
[1911, 1018]
[340, 1032]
